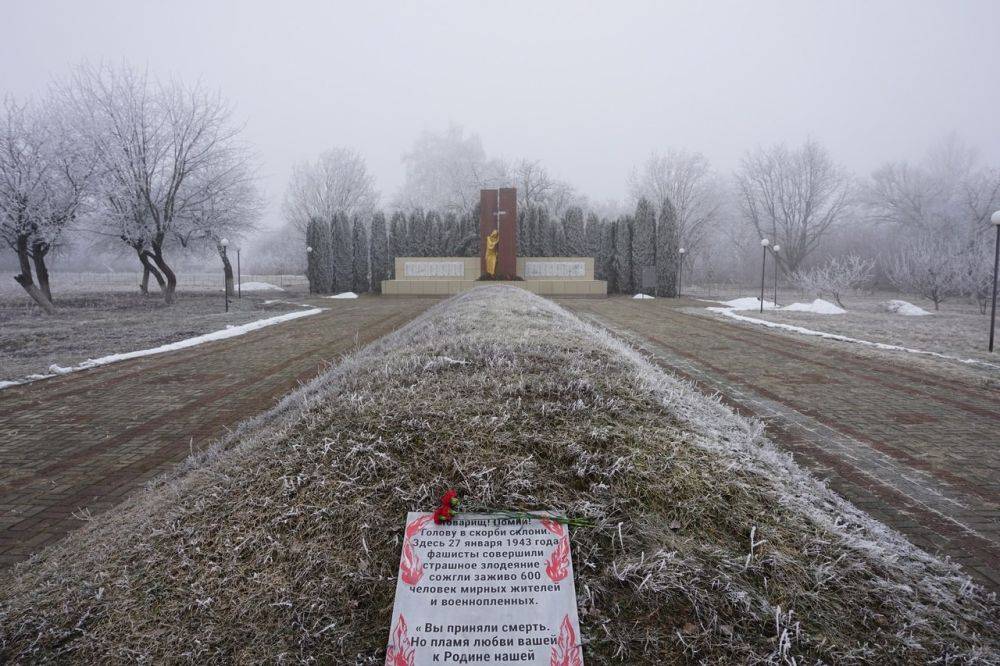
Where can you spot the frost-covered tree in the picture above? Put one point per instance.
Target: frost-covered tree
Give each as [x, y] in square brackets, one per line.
[417, 234]
[545, 233]
[45, 173]
[975, 272]
[792, 197]
[360, 258]
[837, 277]
[319, 268]
[152, 143]
[623, 256]
[573, 228]
[607, 257]
[337, 182]
[643, 240]
[379, 252]
[929, 265]
[693, 188]
[948, 192]
[224, 203]
[342, 243]
[536, 187]
[397, 240]
[435, 235]
[668, 258]
[523, 238]
[445, 171]
[592, 236]
[555, 242]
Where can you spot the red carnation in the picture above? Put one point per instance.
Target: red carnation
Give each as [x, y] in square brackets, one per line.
[450, 498]
[442, 514]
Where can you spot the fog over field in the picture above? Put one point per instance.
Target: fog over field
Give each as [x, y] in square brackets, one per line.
[589, 89]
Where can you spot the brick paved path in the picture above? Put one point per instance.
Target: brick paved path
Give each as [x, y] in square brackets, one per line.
[85, 440]
[917, 451]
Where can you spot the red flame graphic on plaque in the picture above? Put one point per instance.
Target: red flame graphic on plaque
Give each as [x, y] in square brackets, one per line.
[557, 567]
[399, 652]
[410, 566]
[566, 652]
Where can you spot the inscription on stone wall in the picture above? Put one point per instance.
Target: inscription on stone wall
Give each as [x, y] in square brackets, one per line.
[563, 269]
[434, 269]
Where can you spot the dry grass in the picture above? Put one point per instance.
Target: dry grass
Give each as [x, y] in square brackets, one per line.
[281, 545]
[90, 325]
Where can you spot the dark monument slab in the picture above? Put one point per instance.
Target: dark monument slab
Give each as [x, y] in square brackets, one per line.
[498, 212]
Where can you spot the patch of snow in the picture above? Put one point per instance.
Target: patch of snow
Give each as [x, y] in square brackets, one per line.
[819, 306]
[904, 308]
[729, 312]
[643, 296]
[259, 286]
[346, 294]
[228, 332]
[272, 301]
[747, 303]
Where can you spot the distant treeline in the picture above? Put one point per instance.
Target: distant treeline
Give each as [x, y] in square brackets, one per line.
[356, 254]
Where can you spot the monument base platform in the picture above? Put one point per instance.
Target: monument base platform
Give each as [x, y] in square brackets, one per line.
[565, 288]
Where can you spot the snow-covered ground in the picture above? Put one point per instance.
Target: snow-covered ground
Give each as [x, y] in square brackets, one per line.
[95, 325]
[346, 294]
[259, 286]
[641, 297]
[818, 306]
[904, 308]
[231, 331]
[957, 333]
[746, 303]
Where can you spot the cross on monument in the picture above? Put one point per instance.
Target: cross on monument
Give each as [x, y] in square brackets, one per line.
[497, 213]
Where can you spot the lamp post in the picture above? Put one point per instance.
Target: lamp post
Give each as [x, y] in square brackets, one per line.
[776, 249]
[309, 252]
[995, 219]
[764, 243]
[680, 270]
[239, 276]
[225, 286]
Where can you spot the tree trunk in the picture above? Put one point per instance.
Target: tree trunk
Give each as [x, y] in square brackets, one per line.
[41, 270]
[24, 278]
[170, 288]
[227, 269]
[148, 269]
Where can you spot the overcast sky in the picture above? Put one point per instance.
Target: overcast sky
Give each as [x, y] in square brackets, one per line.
[588, 88]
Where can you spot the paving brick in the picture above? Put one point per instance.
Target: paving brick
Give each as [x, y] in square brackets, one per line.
[916, 450]
[84, 441]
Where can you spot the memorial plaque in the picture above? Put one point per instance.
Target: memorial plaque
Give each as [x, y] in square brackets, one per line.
[542, 269]
[434, 269]
[484, 588]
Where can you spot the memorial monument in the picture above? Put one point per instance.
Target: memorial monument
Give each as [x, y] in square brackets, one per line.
[497, 262]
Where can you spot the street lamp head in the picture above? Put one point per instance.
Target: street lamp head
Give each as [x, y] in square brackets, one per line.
[764, 242]
[995, 218]
[776, 248]
[225, 242]
[682, 250]
[309, 248]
